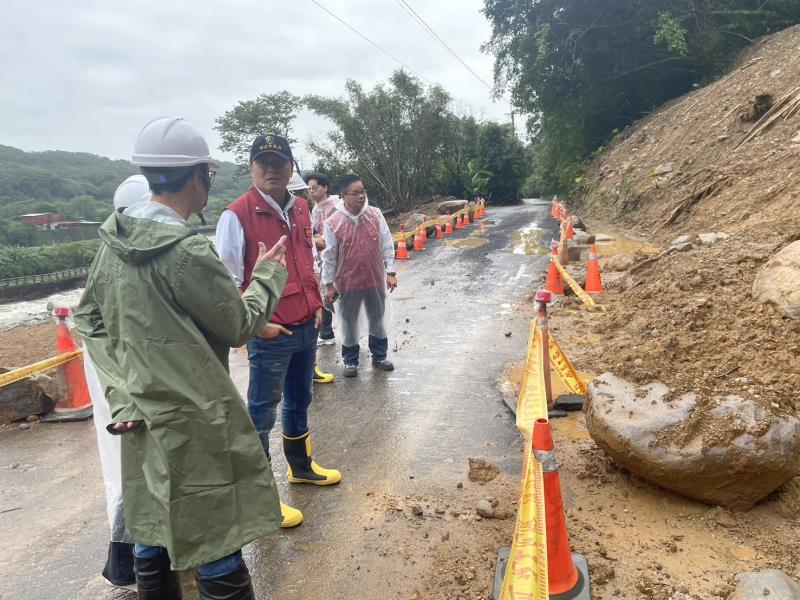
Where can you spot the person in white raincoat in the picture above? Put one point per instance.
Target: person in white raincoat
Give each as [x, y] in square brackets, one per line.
[358, 268]
[118, 570]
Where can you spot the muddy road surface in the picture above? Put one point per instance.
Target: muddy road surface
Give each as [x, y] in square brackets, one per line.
[402, 522]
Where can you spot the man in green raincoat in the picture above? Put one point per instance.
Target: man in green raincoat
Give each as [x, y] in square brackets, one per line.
[159, 315]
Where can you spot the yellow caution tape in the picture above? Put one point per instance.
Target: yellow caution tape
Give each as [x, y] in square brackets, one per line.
[561, 365]
[44, 365]
[526, 572]
[585, 298]
[431, 223]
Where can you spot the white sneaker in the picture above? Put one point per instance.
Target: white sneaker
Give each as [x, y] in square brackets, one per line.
[328, 342]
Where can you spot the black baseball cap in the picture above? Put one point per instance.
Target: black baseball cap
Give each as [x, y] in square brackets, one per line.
[273, 144]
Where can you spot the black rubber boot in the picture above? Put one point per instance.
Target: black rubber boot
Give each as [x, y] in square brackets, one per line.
[302, 467]
[233, 586]
[119, 565]
[155, 580]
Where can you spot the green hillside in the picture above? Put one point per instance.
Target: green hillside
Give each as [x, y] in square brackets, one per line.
[79, 185]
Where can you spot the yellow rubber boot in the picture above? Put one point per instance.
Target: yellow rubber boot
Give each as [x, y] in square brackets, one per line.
[291, 516]
[302, 468]
[322, 377]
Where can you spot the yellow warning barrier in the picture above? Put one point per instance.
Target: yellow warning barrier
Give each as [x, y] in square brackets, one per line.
[526, 571]
[585, 298]
[44, 365]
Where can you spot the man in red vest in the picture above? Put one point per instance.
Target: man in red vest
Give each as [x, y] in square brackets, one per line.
[282, 355]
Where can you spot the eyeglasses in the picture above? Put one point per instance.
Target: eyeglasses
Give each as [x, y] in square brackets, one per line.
[357, 193]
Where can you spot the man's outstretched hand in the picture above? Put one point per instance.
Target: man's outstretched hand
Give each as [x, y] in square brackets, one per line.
[275, 254]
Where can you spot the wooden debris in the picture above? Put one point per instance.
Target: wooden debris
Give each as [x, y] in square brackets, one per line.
[785, 107]
[693, 198]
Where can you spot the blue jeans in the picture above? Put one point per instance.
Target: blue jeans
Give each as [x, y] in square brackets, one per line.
[218, 568]
[283, 364]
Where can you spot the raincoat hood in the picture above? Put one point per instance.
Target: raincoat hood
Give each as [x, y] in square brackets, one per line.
[343, 209]
[137, 240]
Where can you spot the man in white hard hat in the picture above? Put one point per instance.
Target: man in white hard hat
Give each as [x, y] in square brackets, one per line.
[300, 188]
[283, 355]
[158, 316]
[118, 570]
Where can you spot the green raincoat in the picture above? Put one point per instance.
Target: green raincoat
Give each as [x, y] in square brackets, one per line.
[158, 317]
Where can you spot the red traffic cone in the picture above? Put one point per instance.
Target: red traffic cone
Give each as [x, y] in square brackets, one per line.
[418, 245]
[402, 249]
[554, 282]
[459, 222]
[439, 233]
[448, 227]
[562, 575]
[594, 284]
[74, 402]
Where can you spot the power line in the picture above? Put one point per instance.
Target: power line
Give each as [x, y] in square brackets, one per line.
[429, 30]
[361, 35]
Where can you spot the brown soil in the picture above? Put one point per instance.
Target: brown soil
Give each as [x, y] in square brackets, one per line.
[439, 538]
[22, 346]
[688, 320]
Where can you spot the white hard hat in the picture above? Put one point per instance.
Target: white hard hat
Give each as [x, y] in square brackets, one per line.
[134, 189]
[296, 183]
[170, 142]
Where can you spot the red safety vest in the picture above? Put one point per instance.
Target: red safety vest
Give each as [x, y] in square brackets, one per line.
[262, 223]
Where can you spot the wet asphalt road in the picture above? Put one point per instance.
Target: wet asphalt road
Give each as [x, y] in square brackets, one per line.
[394, 434]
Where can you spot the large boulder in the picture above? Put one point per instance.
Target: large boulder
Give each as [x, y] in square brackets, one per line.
[25, 398]
[728, 451]
[778, 281]
[413, 221]
[771, 583]
[451, 206]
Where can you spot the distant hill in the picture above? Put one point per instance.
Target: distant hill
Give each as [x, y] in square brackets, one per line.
[82, 185]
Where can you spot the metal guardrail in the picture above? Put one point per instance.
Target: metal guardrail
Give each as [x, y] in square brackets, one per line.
[44, 277]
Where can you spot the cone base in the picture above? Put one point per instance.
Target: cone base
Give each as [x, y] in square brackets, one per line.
[64, 415]
[581, 591]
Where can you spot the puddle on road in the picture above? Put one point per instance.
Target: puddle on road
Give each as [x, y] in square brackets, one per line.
[466, 243]
[623, 245]
[528, 241]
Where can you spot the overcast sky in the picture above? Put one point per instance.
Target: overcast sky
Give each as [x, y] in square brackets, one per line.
[86, 75]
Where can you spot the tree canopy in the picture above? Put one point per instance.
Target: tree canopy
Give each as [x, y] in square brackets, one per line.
[584, 69]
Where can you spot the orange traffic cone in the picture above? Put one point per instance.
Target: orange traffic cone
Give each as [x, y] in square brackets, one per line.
[402, 249]
[563, 577]
[466, 217]
[459, 222]
[439, 233]
[562, 211]
[74, 402]
[570, 232]
[554, 282]
[423, 233]
[448, 227]
[418, 245]
[594, 284]
[554, 207]
[479, 209]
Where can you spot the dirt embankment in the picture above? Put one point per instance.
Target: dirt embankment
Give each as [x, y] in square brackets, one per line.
[715, 160]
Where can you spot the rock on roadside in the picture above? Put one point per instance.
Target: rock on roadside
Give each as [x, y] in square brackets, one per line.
[25, 398]
[778, 281]
[754, 586]
[481, 471]
[451, 206]
[730, 452]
